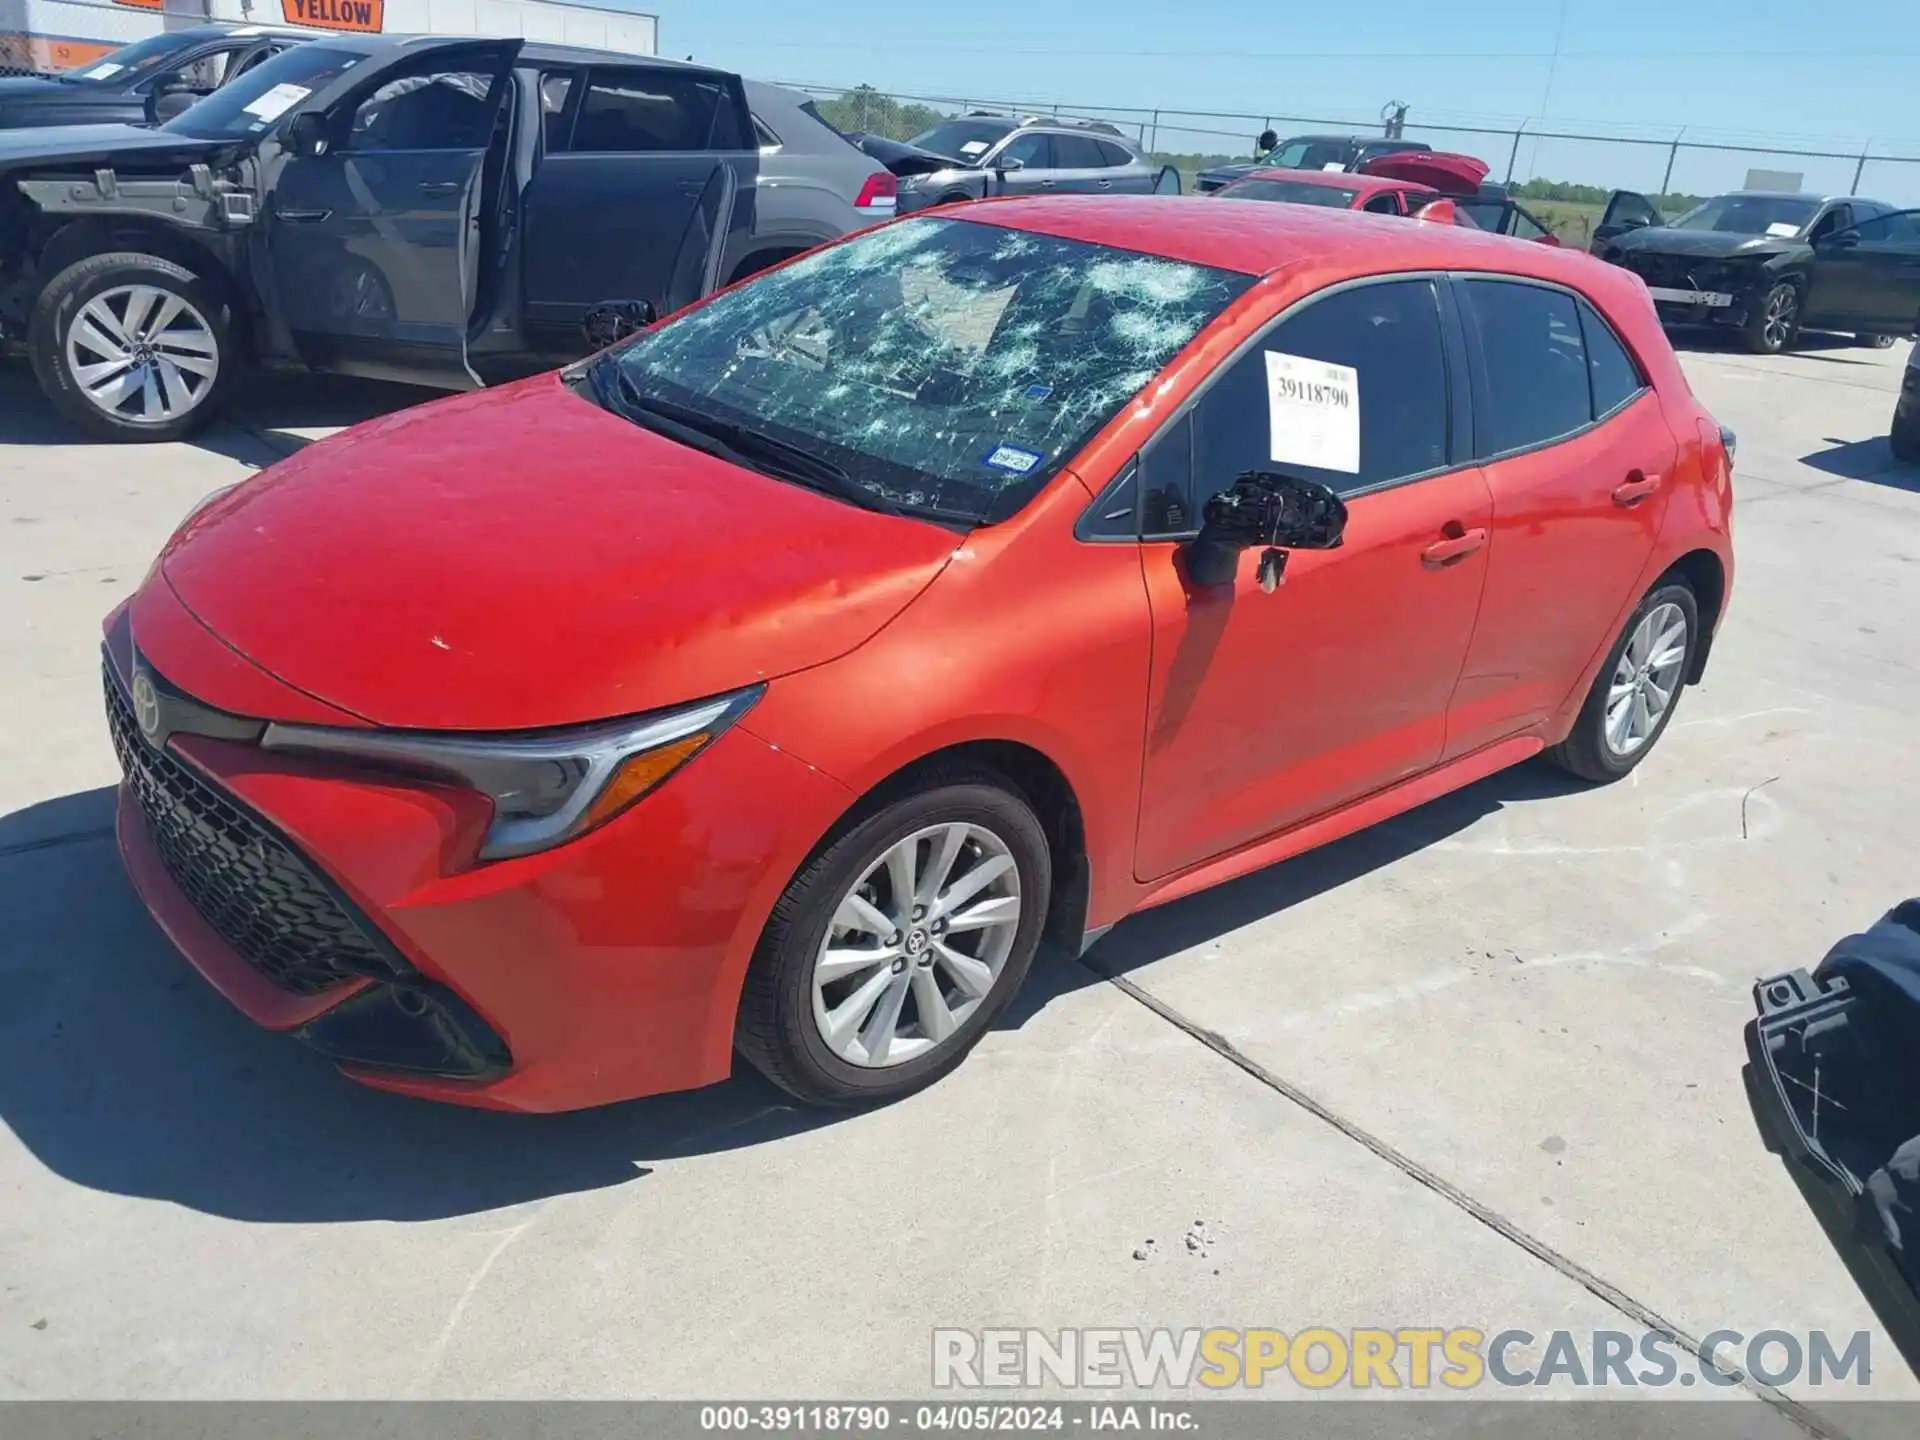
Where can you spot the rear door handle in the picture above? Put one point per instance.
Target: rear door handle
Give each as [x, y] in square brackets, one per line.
[1445, 552]
[302, 217]
[439, 187]
[1638, 487]
[1104, 184]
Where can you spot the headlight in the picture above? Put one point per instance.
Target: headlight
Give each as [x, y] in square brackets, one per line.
[547, 786]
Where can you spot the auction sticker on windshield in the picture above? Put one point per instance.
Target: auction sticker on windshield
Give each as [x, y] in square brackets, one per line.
[104, 72]
[1781, 230]
[973, 147]
[277, 101]
[1313, 413]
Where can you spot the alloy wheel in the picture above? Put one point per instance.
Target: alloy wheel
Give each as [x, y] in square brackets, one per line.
[1645, 679]
[1782, 305]
[915, 946]
[142, 354]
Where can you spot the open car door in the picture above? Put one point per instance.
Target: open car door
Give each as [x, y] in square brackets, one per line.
[373, 216]
[1626, 210]
[696, 265]
[1436, 170]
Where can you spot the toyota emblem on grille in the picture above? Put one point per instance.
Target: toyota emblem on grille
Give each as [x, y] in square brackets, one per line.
[146, 707]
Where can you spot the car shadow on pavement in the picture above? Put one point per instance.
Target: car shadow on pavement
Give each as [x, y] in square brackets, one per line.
[125, 1072]
[1868, 460]
[267, 419]
[1166, 930]
[1806, 347]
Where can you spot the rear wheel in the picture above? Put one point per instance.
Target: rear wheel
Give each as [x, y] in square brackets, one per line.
[1635, 694]
[1775, 321]
[131, 347]
[894, 949]
[1904, 438]
[1875, 342]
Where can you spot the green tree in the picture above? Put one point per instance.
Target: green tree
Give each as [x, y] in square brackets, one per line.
[866, 110]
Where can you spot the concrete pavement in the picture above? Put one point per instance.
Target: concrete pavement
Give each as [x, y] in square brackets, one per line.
[1516, 1011]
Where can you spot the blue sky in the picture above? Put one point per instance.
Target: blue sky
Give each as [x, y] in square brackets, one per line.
[1845, 70]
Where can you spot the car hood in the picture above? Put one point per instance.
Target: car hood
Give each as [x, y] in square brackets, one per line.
[520, 558]
[89, 144]
[901, 159]
[1702, 244]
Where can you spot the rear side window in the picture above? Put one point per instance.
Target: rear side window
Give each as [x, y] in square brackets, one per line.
[641, 112]
[1384, 204]
[1077, 152]
[1616, 379]
[1535, 364]
[1112, 154]
[1386, 340]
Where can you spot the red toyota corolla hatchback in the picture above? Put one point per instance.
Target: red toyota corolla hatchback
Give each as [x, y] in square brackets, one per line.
[777, 680]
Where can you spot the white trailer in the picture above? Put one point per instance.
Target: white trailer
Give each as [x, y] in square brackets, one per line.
[60, 34]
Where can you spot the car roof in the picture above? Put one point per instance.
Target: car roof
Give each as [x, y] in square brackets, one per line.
[221, 30]
[1337, 180]
[1812, 195]
[534, 51]
[1261, 239]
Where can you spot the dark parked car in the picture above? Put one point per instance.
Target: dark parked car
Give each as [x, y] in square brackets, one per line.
[973, 156]
[1305, 152]
[1771, 264]
[1905, 435]
[442, 211]
[143, 83]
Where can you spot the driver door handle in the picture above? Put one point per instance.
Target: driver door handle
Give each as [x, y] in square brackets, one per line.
[1638, 486]
[1454, 547]
[302, 217]
[439, 187]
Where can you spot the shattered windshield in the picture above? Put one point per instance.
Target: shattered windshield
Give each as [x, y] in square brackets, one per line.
[947, 367]
[1776, 215]
[257, 99]
[121, 68]
[962, 140]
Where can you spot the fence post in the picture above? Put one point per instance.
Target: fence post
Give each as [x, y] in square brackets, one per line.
[1861, 168]
[1513, 155]
[862, 125]
[1154, 144]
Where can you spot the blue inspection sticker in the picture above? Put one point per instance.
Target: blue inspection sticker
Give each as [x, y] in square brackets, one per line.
[1038, 392]
[1013, 458]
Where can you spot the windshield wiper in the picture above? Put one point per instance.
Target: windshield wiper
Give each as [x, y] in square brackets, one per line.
[737, 443]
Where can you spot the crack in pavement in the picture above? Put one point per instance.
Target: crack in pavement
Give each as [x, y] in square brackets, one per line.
[1636, 1310]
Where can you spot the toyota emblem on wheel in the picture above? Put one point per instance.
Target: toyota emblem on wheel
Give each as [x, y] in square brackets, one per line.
[146, 708]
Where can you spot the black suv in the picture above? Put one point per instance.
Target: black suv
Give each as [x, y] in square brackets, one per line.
[144, 83]
[1770, 264]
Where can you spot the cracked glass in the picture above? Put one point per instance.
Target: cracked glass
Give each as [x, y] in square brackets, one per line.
[948, 367]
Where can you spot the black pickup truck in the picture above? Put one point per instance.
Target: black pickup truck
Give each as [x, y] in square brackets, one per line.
[441, 211]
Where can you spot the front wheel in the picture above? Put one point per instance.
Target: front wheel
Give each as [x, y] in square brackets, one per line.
[1775, 320]
[891, 953]
[131, 347]
[1635, 694]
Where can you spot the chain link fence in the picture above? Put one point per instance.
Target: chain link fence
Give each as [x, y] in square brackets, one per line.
[1674, 165]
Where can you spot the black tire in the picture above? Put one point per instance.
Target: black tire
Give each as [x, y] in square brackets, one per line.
[1904, 439]
[1585, 751]
[61, 302]
[1876, 342]
[1761, 334]
[775, 1028]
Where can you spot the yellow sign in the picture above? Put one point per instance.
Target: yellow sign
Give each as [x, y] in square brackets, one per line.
[362, 16]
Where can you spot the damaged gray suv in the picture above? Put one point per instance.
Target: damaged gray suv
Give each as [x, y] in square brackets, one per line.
[973, 156]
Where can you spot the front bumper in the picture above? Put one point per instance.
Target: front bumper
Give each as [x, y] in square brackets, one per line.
[601, 970]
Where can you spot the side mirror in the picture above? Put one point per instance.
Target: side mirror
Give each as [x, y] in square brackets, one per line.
[612, 321]
[1010, 162]
[170, 101]
[1845, 240]
[1633, 222]
[1279, 512]
[307, 135]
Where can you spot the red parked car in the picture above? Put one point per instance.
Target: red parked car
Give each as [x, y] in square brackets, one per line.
[778, 679]
[1401, 184]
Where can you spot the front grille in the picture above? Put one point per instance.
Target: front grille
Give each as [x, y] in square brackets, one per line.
[245, 881]
[1680, 272]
